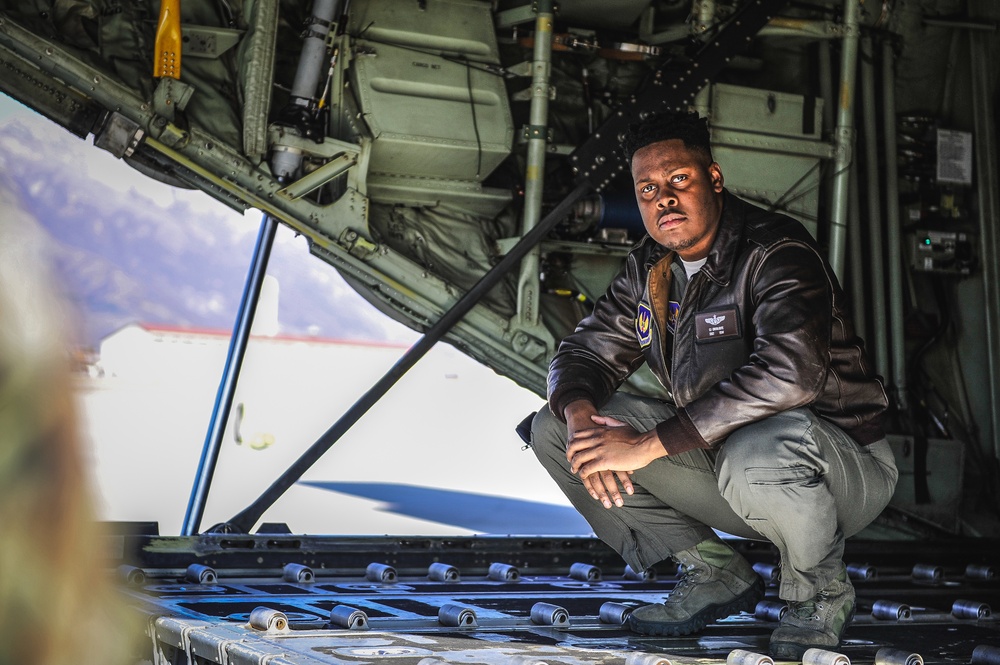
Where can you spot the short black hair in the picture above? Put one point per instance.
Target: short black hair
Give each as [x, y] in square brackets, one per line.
[663, 126]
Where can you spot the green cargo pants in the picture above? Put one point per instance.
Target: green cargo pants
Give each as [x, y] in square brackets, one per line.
[793, 479]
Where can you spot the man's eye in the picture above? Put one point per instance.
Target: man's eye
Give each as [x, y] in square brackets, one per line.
[679, 178]
[647, 189]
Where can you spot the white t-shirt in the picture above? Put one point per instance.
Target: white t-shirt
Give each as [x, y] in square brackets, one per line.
[691, 267]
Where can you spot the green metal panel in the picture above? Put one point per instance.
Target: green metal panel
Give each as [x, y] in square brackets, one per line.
[765, 111]
[413, 191]
[767, 143]
[433, 110]
[422, 122]
[767, 178]
[461, 29]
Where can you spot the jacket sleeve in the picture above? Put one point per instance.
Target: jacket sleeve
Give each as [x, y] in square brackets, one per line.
[791, 297]
[603, 351]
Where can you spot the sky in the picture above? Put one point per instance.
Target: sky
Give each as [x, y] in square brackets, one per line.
[133, 249]
[10, 107]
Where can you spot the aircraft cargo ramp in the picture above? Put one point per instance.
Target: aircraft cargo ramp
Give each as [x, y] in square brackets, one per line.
[281, 598]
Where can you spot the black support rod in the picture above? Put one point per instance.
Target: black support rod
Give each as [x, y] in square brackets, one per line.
[244, 521]
[230, 376]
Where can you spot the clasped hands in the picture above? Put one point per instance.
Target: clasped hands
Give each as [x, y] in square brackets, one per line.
[604, 452]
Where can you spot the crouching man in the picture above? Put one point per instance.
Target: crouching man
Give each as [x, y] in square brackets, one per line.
[772, 428]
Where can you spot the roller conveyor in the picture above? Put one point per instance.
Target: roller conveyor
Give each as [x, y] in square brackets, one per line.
[551, 600]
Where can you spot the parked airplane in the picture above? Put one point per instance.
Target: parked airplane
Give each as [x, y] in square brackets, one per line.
[457, 162]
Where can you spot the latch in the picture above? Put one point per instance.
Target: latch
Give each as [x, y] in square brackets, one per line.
[357, 245]
[119, 135]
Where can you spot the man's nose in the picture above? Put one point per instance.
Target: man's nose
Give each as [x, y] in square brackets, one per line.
[666, 199]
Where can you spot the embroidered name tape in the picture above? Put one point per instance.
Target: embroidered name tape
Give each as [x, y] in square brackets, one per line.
[644, 325]
[717, 325]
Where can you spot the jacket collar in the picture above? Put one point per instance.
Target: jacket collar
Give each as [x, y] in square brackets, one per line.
[722, 257]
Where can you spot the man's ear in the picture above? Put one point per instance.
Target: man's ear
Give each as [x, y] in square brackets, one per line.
[717, 180]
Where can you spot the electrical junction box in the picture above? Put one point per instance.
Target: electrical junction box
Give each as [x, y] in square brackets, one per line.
[434, 109]
[766, 111]
[769, 145]
[944, 252]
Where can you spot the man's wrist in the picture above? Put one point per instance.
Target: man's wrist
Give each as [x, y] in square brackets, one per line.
[560, 402]
[577, 406]
[653, 446]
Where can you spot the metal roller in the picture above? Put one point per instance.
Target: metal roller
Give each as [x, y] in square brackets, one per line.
[970, 609]
[442, 572]
[824, 657]
[348, 617]
[502, 572]
[770, 610]
[861, 571]
[986, 655]
[744, 657]
[380, 572]
[927, 571]
[771, 572]
[639, 658]
[897, 657]
[131, 575]
[639, 575]
[977, 571]
[615, 613]
[585, 572]
[546, 614]
[296, 572]
[200, 574]
[264, 618]
[457, 616]
[890, 610]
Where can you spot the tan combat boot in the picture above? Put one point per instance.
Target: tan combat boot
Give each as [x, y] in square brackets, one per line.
[716, 581]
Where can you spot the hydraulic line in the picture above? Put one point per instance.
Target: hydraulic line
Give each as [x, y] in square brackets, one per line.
[230, 377]
[844, 136]
[534, 182]
[285, 165]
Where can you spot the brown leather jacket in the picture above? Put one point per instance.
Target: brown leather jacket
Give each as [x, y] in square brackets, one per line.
[762, 329]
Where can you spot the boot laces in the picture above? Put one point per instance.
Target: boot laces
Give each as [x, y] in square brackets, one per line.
[806, 610]
[688, 580]
[810, 609]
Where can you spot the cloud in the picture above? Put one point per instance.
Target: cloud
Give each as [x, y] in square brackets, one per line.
[134, 249]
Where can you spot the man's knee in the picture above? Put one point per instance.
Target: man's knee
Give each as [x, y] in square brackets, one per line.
[548, 435]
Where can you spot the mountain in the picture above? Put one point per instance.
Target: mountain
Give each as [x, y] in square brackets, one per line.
[131, 249]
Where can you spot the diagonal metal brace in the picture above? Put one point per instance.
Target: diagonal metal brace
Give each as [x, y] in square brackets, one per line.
[673, 87]
[244, 521]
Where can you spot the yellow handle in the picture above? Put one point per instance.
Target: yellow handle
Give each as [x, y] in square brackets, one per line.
[168, 40]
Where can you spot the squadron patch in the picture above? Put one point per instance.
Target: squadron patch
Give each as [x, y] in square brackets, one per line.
[673, 309]
[644, 325]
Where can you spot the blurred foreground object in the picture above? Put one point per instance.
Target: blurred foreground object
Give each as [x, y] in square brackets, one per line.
[56, 602]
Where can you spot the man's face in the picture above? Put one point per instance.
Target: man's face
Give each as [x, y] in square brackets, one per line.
[680, 196]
